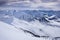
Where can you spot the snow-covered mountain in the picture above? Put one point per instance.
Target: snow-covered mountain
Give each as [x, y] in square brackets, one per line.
[30, 15]
[29, 20]
[28, 24]
[20, 30]
[28, 30]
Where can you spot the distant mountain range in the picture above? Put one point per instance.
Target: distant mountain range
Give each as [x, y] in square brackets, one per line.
[29, 15]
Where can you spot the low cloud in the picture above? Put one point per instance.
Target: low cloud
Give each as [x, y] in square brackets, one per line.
[38, 4]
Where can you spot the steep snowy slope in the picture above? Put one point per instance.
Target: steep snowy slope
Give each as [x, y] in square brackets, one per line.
[27, 30]
[53, 20]
[37, 28]
[11, 19]
[9, 32]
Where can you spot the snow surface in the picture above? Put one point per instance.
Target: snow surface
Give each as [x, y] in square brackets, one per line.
[12, 32]
[9, 32]
[15, 30]
[12, 28]
[21, 25]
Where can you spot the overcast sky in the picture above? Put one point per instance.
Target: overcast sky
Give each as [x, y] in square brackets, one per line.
[45, 4]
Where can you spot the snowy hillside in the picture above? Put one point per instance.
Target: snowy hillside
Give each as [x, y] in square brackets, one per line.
[19, 30]
[28, 20]
[9, 32]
